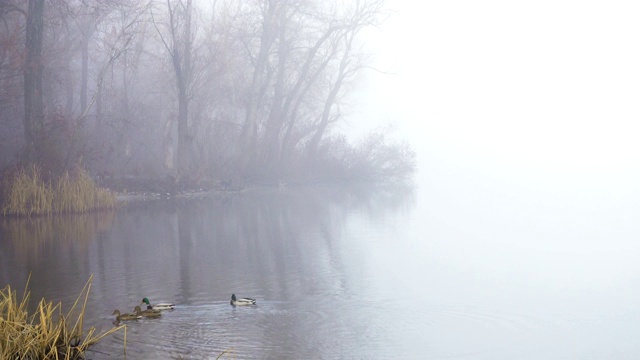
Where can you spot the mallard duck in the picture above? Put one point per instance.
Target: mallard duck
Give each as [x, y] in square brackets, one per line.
[125, 317]
[242, 301]
[148, 313]
[161, 306]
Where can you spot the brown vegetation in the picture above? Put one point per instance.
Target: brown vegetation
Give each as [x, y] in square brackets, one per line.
[47, 333]
[27, 193]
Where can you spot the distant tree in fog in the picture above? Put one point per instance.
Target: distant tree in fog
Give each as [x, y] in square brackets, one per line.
[120, 24]
[249, 90]
[304, 52]
[33, 108]
[176, 35]
[365, 13]
[52, 57]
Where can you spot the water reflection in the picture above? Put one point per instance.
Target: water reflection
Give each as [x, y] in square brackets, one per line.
[27, 236]
[48, 247]
[284, 248]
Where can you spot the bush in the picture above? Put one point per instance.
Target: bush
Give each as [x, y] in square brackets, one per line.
[374, 159]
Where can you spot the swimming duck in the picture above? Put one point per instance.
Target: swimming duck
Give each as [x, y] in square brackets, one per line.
[125, 317]
[148, 313]
[161, 306]
[242, 301]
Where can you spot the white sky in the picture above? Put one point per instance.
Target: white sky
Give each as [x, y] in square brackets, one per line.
[525, 116]
[539, 91]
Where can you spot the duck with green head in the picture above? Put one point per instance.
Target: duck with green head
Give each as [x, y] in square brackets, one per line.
[148, 313]
[242, 301]
[125, 317]
[160, 306]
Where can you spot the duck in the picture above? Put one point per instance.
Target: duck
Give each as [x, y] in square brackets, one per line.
[148, 313]
[125, 317]
[242, 301]
[161, 306]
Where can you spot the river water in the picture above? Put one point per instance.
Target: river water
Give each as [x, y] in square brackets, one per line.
[455, 269]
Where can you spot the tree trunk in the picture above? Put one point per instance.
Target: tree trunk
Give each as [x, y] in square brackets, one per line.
[275, 119]
[249, 135]
[33, 108]
[183, 132]
[99, 110]
[68, 108]
[84, 73]
[312, 147]
[182, 68]
[180, 51]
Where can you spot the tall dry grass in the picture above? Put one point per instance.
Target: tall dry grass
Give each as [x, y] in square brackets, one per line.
[47, 333]
[73, 192]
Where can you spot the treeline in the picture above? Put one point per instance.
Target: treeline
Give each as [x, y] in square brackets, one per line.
[227, 90]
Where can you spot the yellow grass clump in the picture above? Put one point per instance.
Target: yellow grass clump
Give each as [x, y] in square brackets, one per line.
[73, 192]
[47, 333]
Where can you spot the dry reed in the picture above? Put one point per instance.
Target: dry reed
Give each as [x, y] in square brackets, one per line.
[47, 333]
[73, 192]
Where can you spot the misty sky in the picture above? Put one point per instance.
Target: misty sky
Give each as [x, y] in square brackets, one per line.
[525, 116]
[542, 92]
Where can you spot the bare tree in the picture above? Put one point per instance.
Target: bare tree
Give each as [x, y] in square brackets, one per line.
[271, 10]
[302, 45]
[12, 38]
[33, 108]
[282, 114]
[366, 13]
[255, 90]
[179, 47]
[124, 22]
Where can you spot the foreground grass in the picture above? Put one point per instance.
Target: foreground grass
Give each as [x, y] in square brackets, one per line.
[47, 333]
[26, 193]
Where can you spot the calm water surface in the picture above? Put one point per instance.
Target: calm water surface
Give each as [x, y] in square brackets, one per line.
[443, 271]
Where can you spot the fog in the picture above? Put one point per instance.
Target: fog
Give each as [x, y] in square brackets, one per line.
[518, 238]
[540, 95]
[525, 120]
[199, 93]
